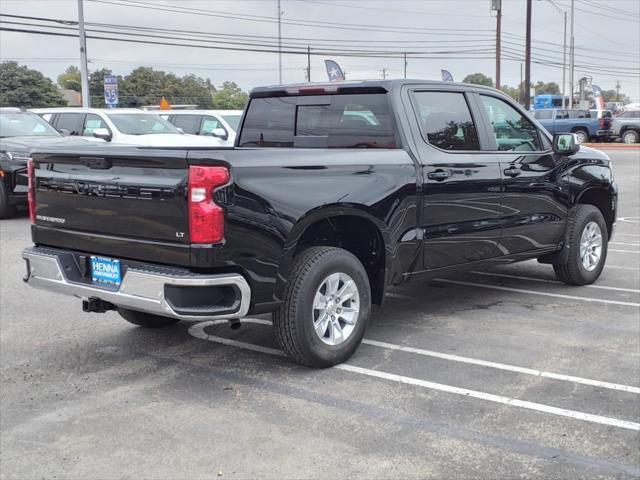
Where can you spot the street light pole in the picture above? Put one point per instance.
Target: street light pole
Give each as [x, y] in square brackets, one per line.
[571, 56]
[564, 62]
[279, 44]
[498, 43]
[84, 73]
[527, 60]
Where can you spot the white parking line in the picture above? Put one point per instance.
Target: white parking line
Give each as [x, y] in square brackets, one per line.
[513, 402]
[197, 330]
[503, 366]
[534, 292]
[622, 251]
[544, 280]
[628, 244]
[620, 267]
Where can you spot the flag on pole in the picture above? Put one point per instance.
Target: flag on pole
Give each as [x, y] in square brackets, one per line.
[597, 97]
[446, 76]
[333, 71]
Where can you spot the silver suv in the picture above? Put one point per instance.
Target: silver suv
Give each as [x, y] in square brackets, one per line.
[627, 126]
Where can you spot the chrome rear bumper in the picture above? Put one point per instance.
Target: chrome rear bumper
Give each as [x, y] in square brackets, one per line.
[141, 290]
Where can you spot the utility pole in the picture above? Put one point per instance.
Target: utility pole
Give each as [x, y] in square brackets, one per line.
[308, 63]
[520, 87]
[84, 73]
[405, 64]
[564, 62]
[572, 58]
[497, 5]
[279, 44]
[618, 91]
[384, 73]
[527, 59]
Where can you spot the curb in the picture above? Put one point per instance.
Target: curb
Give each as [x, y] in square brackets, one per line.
[613, 146]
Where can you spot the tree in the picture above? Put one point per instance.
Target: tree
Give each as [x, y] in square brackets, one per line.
[511, 91]
[230, 97]
[22, 87]
[70, 79]
[612, 96]
[478, 79]
[551, 88]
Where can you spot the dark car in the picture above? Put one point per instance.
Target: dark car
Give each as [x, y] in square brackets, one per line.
[21, 131]
[332, 194]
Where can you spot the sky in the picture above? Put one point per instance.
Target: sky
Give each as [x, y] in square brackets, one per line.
[606, 32]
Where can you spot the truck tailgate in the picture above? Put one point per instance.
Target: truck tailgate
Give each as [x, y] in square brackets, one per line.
[107, 202]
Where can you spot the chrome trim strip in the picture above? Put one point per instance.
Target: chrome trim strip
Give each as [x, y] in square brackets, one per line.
[142, 291]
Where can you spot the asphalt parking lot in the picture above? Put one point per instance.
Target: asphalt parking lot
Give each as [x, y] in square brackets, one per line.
[494, 374]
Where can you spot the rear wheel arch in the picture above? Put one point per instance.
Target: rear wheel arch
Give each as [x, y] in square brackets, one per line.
[353, 230]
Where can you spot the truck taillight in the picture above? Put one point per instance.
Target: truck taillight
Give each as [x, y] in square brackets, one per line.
[31, 193]
[603, 123]
[206, 217]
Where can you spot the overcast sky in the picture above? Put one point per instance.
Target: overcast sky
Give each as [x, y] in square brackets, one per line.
[607, 37]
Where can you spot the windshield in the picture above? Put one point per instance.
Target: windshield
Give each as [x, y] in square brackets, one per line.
[24, 124]
[141, 124]
[233, 121]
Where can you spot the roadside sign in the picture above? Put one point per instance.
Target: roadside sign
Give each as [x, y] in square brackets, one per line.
[111, 91]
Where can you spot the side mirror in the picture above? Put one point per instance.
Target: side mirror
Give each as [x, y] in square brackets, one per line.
[565, 144]
[102, 133]
[64, 132]
[220, 133]
[180, 130]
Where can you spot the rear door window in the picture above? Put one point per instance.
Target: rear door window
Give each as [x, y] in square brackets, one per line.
[543, 114]
[188, 123]
[72, 122]
[445, 120]
[337, 121]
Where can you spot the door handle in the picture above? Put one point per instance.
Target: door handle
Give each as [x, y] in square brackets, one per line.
[439, 175]
[512, 171]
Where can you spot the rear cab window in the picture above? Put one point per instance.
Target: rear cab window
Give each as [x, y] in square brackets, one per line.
[323, 121]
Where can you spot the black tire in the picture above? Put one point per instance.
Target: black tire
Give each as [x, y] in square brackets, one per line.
[6, 209]
[570, 269]
[582, 136]
[293, 321]
[630, 136]
[146, 320]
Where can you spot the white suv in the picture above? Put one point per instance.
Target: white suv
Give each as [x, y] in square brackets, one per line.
[222, 124]
[122, 125]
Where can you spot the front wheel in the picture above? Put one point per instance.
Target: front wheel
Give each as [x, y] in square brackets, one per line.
[586, 247]
[146, 320]
[325, 308]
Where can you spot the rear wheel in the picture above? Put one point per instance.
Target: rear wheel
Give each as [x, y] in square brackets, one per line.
[582, 136]
[630, 136]
[6, 209]
[586, 247]
[146, 320]
[325, 308]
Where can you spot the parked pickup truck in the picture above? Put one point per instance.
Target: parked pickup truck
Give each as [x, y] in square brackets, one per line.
[332, 194]
[627, 126]
[581, 122]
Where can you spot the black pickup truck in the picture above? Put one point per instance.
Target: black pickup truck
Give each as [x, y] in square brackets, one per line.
[333, 193]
